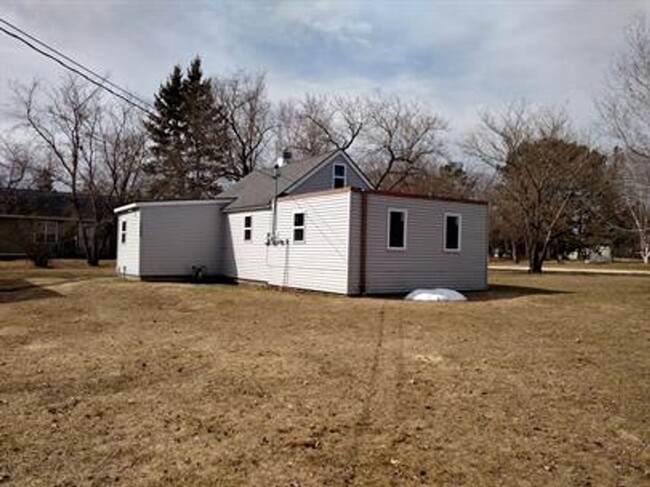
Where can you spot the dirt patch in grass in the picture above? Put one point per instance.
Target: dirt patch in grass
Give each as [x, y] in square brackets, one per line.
[153, 383]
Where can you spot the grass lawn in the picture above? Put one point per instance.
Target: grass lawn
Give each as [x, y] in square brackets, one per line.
[619, 264]
[543, 380]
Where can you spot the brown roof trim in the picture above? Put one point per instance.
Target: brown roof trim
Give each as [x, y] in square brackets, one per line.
[393, 194]
[424, 197]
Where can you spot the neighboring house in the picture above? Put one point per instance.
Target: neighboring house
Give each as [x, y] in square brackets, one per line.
[31, 220]
[315, 225]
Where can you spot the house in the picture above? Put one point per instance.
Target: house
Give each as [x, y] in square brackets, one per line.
[32, 220]
[317, 225]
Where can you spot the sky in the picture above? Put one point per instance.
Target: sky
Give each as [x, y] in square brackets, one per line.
[458, 57]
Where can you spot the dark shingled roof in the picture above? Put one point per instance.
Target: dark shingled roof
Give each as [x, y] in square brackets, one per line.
[257, 189]
[45, 204]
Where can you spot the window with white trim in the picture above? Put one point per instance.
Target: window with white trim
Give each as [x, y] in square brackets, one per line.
[298, 227]
[339, 176]
[396, 229]
[248, 228]
[123, 232]
[453, 232]
[46, 232]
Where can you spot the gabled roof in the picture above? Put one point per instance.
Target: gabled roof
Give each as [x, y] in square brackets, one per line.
[257, 190]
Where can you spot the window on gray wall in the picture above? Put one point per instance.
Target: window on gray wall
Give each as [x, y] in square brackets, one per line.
[123, 236]
[396, 229]
[339, 176]
[452, 232]
[248, 227]
[298, 227]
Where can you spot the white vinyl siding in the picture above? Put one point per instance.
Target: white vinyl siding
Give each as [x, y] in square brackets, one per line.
[320, 262]
[241, 259]
[175, 238]
[128, 252]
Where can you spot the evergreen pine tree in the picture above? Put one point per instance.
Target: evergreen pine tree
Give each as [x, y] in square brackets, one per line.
[166, 128]
[204, 133]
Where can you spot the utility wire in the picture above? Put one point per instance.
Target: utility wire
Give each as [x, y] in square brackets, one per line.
[104, 79]
[103, 85]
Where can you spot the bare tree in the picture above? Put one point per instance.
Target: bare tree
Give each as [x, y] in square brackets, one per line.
[243, 102]
[632, 208]
[544, 174]
[16, 161]
[318, 124]
[449, 180]
[123, 155]
[625, 111]
[401, 142]
[92, 155]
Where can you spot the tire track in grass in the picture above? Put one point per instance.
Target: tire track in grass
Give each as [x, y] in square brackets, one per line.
[364, 419]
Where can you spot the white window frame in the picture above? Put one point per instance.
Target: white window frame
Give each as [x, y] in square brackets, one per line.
[335, 177]
[405, 234]
[47, 227]
[302, 227]
[460, 232]
[248, 228]
[123, 232]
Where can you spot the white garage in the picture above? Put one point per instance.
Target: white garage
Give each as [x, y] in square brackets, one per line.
[169, 238]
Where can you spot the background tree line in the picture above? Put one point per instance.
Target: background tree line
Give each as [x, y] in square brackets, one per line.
[551, 191]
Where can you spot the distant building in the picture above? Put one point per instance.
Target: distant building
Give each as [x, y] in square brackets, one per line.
[31, 220]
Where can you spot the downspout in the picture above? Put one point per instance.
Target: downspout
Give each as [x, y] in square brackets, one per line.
[363, 242]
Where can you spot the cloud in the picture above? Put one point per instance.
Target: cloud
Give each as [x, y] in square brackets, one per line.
[454, 56]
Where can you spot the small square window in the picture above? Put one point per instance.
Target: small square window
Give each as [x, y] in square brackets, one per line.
[298, 227]
[339, 176]
[46, 232]
[248, 228]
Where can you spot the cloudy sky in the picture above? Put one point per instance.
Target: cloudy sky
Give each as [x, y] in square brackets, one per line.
[455, 55]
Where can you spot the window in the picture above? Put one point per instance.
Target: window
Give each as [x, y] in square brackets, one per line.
[396, 229]
[248, 228]
[298, 227]
[339, 177]
[123, 235]
[452, 232]
[46, 232]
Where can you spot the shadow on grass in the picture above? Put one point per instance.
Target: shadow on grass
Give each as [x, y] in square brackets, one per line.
[492, 293]
[503, 291]
[15, 290]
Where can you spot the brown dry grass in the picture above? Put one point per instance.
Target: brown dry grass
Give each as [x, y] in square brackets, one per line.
[540, 381]
[618, 264]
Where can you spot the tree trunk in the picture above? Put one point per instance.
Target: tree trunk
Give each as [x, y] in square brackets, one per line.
[645, 248]
[535, 258]
[515, 255]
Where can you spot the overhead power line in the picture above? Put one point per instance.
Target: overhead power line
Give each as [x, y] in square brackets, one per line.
[80, 70]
